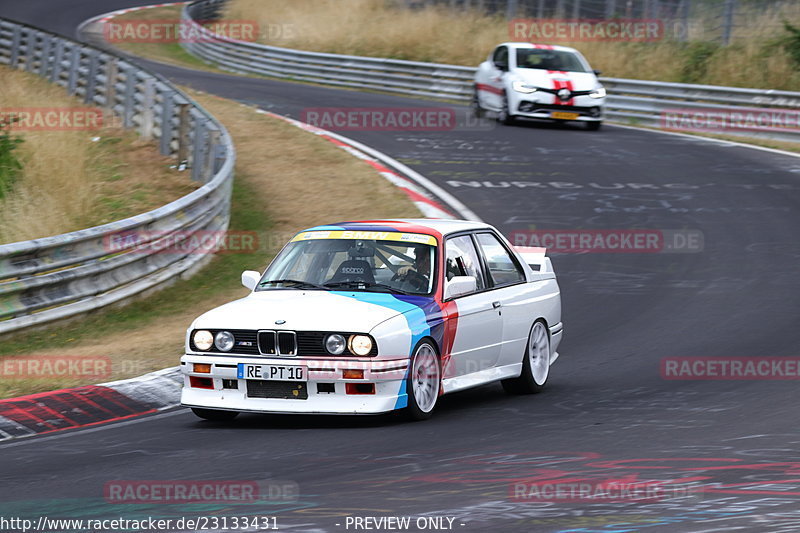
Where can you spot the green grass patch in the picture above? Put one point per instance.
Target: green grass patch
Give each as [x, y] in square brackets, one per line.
[10, 165]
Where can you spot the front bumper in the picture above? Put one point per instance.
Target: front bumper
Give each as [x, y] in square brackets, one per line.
[542, 107]
[227, 392]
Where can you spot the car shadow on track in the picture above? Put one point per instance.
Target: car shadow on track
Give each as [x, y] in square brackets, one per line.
[463, 405]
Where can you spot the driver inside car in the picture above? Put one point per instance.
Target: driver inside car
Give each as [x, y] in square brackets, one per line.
[418, 274]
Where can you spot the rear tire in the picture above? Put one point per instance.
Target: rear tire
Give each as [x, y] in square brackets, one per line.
[215, 415]
[475, 105]
[593, 126]
[535, 364]
[424, 381]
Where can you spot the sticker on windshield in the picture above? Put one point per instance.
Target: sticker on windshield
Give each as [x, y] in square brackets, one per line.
[417, 238]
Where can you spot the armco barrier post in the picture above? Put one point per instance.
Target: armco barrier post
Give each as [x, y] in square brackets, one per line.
[74, 67]
[30, 49]
[91, 79]
[167, 109]
[58, 58]
[148, 111]
[112, 69]
[183, 130]
[198, 149]
[16, 37]
[128, 100]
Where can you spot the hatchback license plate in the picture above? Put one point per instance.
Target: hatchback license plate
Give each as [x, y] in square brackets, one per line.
[272, 372]
[563, 115]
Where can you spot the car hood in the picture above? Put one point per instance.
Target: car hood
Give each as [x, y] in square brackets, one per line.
[348, 311]
[581, 81]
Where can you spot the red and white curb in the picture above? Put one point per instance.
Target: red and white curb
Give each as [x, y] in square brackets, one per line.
[89, 405]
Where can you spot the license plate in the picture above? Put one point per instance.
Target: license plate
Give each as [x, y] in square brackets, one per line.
[272, 372]
[563, 115]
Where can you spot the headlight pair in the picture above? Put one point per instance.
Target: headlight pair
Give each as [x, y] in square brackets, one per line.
[204, 340]
[357, 344]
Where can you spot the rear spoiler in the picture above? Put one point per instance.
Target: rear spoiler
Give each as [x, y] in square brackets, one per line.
[538, 261]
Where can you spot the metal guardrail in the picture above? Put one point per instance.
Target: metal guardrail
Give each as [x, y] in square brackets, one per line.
[629, 101]
[65, 275]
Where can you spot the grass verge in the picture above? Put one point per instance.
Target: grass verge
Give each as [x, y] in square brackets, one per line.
[71, 179]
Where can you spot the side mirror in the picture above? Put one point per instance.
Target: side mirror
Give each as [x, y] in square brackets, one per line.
[501, 66]
[597, 72]
[250, 279]
[459, 285]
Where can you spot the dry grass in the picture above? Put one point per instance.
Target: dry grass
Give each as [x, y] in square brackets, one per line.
[299, 179]
[380, 28]
[76, 179]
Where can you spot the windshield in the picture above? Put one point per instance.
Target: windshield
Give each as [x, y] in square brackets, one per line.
[549, 60]
[395, 263]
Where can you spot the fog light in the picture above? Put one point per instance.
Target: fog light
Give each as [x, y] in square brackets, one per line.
[202, 368]
[353, 374]
[201, 383]
[359, 388]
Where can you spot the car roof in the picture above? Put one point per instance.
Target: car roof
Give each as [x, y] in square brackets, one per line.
[430, 226]
[541, 46]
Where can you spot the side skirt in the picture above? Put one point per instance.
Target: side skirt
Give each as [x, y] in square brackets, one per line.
[481, 377]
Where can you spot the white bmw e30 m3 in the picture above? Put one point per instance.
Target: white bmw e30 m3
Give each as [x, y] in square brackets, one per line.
[374, 316]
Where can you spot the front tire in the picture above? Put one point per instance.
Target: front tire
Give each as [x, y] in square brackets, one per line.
[504, 116]
[475, 105]
[424, 381]
[215, 415]
[535, 364]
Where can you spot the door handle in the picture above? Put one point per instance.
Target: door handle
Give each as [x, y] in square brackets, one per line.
[495, 305]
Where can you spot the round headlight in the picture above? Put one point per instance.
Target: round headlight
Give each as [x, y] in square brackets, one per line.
[360, 344]
[203, 340]
[224, 341]
[335, 344]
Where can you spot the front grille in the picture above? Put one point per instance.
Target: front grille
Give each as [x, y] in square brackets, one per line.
[283, 343]
[311, 343]
[267, 342]
[533, 107]
[287, 343]
[284, 390]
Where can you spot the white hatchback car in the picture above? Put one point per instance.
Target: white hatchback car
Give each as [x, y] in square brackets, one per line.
[376, 316]
[539, 81]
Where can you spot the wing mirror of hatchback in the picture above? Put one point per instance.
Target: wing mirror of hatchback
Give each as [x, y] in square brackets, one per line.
[460, 285]
[250, 279]
[597, 72]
